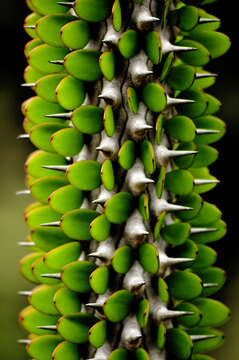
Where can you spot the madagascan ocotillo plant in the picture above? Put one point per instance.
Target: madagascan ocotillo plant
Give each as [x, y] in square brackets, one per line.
[124, 127]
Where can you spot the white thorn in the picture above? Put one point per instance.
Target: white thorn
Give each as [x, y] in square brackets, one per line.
[205, 75]
[52, 276]
[135, 230]
[201, 230]
[111, 92]
[205, 181]
[29, 26]
[138, 69]
[54, 224]
[62, 115]
[23, 192]
[206, 20]
[26, 243]
[23, 136]
[206, 131]
[168, 47]
[209, 285]
[24, 293]
[63, 168]
[163, 154]
[131, 335]
[28, 85]
[134, 280]
[23, 341]
[56, 62]
[63, 3]
[136, 178]
[201, 337]
[47, 327]
[175, 101]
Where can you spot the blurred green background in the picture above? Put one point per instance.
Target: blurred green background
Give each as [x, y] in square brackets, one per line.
[14, 153]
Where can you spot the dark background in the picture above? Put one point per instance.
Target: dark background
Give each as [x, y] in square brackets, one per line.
[14, 152]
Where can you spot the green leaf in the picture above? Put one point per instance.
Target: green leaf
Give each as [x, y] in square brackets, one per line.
[141, 354]
[75, 34]
[42, 347]
[129, 43]
[185, 161]
[88, 119]
[193, 109]
[31, 75]
[70, 92]
[37, 109]
[212, 275]
[206, 156]
[76, 223]
[181, 128]
[212, 123]
[30, 318]
[40, 56]
[211, 236]
[40, 135]
[166, 65]
[67, 301]
[214, 313]
[42, 188]
[118, 354]
[48, 28]
[100, 228]
[109, 122]
[85, 174]
[178, 343]
[206, 257]
[201, 357]
[83, 64]
[117, 306]
[181, 77]
[76, 276]
[153, 47]
[188, 321]
[46, 86]
[117, 15]
[63, 255]
[176, 234]
[39, 158]
[143, 206]
[192, 200]
[149, 258]
[127, 155]
[213, 105]
[31, 19]
[179, 182]
[26, 266]
[122, 259]
[199, 57]
[38, 268]
[45, 7]
[119, 207]
[67, 350]
[93, 11]
[75, 327]
[41, 215]
[206, 344]
[67, 142]
[192, 285]
[158, 225]
[148, 156]
[107, 175]
[161, 336]
[48, 237]
[143, 312]
[207, 215]
[107, 65]
[99, 280]
[163, 290]
[98, 334]
[42, 297]
[159, 129]
[188, 250]
[216, 43]
[154, 97]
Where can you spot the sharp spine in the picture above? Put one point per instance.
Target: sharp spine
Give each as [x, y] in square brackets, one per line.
[205, 181]
[54, 223]
[23, 341]
[29, 26]
[56, 62]
[206, 131]
[209, 285]
[68, 4]
[28, 85]
[23, 136]
[63, 168]
[206, 20]
[201, 337]
[26, 243]
[175, 101]
[47, 327]
[205, 75]
[24, 293]
[201, 230]
[52, 276]
[62, 115]
[23, 192]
